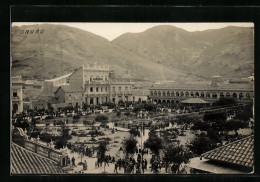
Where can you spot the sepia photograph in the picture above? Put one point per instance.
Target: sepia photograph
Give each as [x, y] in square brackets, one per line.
[132, 98]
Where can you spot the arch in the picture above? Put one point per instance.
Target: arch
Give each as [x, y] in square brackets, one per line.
[15, 107]
[159, 94]
[234, 95]
[221, 94]
[172, 94]
[187, 94]
[177, 94]
[202, 94]
[247, 95]
[159, 101]
[191, 94]
[197, 94]
[228, 94]
[155, 100]
[155, 93]
[164, 101]
[164, 94]
[177, 102]
[182, 94]
[168, 94]
[151, 93]
[208, 95]
[172, 101]
[168, 101]
[214, 95]
[241, 96]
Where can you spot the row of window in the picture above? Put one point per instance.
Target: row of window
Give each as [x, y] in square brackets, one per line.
[187, 94]
[97, 78]
[98, 89]
[119, 89]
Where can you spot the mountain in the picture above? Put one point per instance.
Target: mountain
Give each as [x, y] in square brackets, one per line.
[228, 52]
[61, 49]
[183, 55]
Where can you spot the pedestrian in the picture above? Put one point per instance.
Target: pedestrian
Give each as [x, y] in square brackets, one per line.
[73, 161]
[145, 164]
[85, 165]
[116, 165]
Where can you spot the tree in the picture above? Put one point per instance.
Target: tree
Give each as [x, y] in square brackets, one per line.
[134, 132]
[137, 108]
[150, 107]
[234, 125]
[154, 143]
[209, 116]
[176, 155]
[102, 148]
[201, 144]
[101, 118]
[224, 101]
[129, 145]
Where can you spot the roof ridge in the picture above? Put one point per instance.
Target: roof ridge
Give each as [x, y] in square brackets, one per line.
[12, 143]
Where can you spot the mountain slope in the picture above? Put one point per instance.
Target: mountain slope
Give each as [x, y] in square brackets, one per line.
[228, 51]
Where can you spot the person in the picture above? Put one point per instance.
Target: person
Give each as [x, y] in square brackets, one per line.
[143, 165]
[85, 165]
[73, 161]
[116, 165]
[119, 163]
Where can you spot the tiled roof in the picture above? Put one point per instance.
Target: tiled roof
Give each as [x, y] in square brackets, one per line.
[24, 161]
[195, 101]
[240, 152]
[204, 87]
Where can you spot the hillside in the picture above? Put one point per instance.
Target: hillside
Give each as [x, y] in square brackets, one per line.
[228, 51]
[186, 55]
[61, 49]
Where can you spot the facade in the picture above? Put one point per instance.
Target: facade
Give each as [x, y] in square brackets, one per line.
[91, 85]
[175, 93]
[17, 95]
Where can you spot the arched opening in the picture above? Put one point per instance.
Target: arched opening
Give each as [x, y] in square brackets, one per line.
[164, 101]
[168, 94]
[159, 94]
[151, 93]
[182, 94]
[172, 101]
[159, 101]
[155, 93]
[164, 94]
[168, 101]
[247, 95]
[241, 96]
[234, 95]
[177, 102]
[172, 94]
[177, 94]
[208, 95]
[221, 94]
[191, 94]
[202, 94]
[214, 95]
[155, 100]
[15, 107]
[187, 94]
[228, 94]
[197, 94]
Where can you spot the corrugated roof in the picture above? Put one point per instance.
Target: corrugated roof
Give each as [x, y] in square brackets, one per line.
[194, 101]
[240, 152]
[24, 161]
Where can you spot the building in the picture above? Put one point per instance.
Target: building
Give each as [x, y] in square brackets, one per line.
[89, 85]
[234, 158]
[17, 95]
[140, 95]
[175, 93]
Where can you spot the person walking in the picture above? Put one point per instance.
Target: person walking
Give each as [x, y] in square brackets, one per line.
[116, 165]
[73, 161]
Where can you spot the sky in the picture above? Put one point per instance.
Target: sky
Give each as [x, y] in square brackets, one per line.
[112, 30]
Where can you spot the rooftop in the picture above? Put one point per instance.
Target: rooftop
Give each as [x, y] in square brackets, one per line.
[58, 78]
[240, 152]
[24, 161]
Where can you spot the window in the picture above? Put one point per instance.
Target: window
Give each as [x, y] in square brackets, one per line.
[106, 89]
[91, 89]
[97, 89]
[114, 100]
[101, 89]
[114, 89]
[14, 93]
[91, 100]
[126, 88]
[119, 88]
[106, 78]
[69, 97]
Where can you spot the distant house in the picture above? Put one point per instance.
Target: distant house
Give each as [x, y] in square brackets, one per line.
[234, 158]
